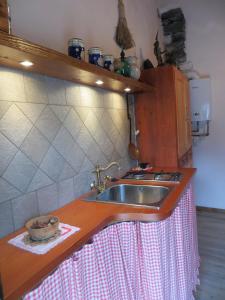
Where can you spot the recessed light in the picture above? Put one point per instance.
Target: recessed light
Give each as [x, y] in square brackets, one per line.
[127, 90]
[99, 82]
[26, 63]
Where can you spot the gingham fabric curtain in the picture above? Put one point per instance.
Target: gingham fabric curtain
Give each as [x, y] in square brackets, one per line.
[132, 261]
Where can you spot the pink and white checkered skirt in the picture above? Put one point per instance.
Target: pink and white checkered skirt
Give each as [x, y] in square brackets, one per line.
[132, 261]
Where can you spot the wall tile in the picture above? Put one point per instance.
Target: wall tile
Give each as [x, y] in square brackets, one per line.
[24, 208]
[11, 85]
[6, 219]
[84, 139]
[56, 91]
[7, 191]
[119, 101]
[4, 106]
[66, 146]
[39, 181]
[109, 127]
[30, 110]
[120, 147]
[48, 124]
[99, 112]
[82, 183]
[83, 112]
[104, 142]
[87, 166]
[52, 164]
[72, 94]
[60, 111]
[47, 199]
[92, 123]
[115, 156]
[20, 172]
[91, 97]
[35, 146]
[7, 152]
[108, 98]
[35, 88]
[66, 172]
[94, 153]
[73, 123]
[14, 125]
[76, 157]
[66, 191]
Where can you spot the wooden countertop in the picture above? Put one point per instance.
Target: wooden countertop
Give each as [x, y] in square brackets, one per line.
[21, 270]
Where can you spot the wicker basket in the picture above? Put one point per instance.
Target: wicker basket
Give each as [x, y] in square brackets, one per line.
[39, 234]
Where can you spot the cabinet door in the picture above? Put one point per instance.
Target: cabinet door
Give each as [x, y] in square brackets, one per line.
[183, 112]
[4, 16]
[188, 136]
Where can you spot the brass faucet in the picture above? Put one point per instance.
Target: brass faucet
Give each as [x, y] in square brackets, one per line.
[99, 184]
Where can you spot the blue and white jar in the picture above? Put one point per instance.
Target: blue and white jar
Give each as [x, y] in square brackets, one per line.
[95, 56]
[108, 62]
[76, 48]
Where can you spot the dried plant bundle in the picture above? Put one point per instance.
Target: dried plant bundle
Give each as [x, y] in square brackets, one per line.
[123, 36]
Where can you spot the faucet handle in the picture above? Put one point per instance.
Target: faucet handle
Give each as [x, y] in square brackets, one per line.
[107, 178]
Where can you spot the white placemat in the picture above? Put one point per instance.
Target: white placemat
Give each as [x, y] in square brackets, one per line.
[66, 231]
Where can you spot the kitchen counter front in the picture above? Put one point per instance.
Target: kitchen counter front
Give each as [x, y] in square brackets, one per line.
[21, 270]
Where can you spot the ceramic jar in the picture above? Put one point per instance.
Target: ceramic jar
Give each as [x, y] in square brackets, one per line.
[76, 48]
[108, 62]
[134, 70]
[122, 67]
[95, 56]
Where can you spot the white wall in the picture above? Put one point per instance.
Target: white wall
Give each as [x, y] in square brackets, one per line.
[205, 48]
[52, 23]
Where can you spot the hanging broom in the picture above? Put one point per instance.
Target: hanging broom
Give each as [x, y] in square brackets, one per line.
[123, 36]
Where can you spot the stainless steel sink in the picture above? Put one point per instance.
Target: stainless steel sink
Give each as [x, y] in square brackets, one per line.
[140, 195]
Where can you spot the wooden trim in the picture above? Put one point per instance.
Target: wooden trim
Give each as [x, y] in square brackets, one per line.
[49, 62]
[210, 209]
[4, 24]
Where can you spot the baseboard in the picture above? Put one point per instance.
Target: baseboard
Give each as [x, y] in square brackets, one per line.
[210, 209]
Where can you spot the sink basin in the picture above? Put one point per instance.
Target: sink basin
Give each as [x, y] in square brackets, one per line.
[140, 195]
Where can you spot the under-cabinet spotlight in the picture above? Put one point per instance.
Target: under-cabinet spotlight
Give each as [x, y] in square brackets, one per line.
[127, 90]
[99, 82]
[26, 63]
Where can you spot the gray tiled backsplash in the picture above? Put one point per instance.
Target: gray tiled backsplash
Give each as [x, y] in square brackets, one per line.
[6, 218]
[24, 208]
[48, 123]
[30, 110]
[15, 125]
[7, 152]
[35, 145]
[20, 172]
[12, 85]
[35, 88]
[47, 199]
[52, 133]
[66, 191]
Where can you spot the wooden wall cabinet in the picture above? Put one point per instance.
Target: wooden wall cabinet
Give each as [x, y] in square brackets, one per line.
[4, 25]
[163, 118]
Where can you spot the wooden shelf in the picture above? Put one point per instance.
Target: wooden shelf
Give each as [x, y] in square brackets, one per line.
[49, 62]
